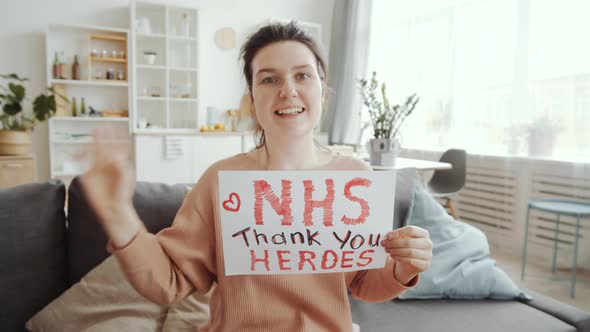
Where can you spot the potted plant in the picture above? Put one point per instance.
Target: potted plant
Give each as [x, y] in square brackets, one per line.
[387, 120]
[542, 134]
[16, 126]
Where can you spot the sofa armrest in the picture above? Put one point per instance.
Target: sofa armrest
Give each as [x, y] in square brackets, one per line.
[566, 313]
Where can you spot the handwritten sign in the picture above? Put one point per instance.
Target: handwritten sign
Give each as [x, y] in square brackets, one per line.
[295, 222]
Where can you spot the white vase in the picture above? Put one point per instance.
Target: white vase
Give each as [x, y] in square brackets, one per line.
[384, 151]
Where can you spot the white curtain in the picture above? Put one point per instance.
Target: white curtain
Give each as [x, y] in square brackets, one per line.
[347, 64]
[499, 76]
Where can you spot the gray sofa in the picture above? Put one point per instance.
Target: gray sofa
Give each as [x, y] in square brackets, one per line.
[42, 254]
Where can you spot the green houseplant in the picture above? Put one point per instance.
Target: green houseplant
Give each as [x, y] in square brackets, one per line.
[386, 118]
[16, 126]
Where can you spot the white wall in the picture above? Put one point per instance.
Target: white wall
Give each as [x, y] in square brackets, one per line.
[23, 24]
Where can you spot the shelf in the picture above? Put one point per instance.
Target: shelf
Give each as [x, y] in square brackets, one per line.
[173, 37]
[148, 98]
[89, 140]
[167, 131]
[109, 38]
[191, 132]
[89, 118]
[151, 67]
[183, 99]
[151, 35]
[111, 60]
[226, 133]
[111, 83]
[152, 98]
[87, 27]
[73, 141]
[183, 69]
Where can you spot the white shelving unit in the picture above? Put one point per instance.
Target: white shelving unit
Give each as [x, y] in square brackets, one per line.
[165, 72]
[69, 136]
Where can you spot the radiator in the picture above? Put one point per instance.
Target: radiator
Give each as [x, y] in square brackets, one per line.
[495, 198]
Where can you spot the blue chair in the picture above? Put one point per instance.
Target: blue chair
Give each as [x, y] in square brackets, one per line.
[560, 207]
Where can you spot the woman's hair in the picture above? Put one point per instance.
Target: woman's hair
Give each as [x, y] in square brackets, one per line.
[274, 33]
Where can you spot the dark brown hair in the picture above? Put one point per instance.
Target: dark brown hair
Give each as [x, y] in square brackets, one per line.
[275, 33]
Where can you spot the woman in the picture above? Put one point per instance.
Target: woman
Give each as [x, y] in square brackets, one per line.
[286, 77]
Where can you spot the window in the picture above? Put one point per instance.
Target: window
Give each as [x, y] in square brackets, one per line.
[494, 76]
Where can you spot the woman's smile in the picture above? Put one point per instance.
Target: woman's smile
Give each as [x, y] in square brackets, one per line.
[289, 112]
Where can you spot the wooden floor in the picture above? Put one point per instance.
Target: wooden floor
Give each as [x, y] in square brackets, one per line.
[539, 279]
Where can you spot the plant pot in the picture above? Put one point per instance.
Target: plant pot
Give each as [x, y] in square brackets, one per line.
[15, 142]
[384, 151]
[541, 144]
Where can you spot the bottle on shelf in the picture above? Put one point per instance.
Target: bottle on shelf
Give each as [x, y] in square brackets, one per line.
[74, 109]
[76, 69]
[82, 107]
[56, 67]
[62, 66]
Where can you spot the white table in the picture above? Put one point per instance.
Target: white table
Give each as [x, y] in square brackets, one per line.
[418, 164]
[421, 166]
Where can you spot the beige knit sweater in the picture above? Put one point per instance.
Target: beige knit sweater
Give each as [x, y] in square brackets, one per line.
[188, 256]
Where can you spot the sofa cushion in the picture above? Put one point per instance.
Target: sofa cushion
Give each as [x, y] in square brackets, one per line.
[156, 204]
[453, 316]
[102, 301]
[32, 243]
[461, 265]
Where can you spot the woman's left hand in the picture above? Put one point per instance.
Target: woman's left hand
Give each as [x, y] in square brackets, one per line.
[411, 248]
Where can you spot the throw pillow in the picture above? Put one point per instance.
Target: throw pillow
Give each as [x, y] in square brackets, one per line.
[103, 300]
[461, 265]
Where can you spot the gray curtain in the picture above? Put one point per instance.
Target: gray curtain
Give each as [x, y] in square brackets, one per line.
[349, 47]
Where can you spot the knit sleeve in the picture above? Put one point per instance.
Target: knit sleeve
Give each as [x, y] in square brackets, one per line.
[170, 265]
[377, 285]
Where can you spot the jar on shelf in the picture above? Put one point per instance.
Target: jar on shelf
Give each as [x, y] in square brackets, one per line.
[99, 74]
[120, 75]
[110, 74]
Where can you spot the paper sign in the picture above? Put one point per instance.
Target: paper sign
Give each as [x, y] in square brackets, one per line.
[295, 222]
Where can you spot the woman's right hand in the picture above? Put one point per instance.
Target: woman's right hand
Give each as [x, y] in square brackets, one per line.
[109, 184]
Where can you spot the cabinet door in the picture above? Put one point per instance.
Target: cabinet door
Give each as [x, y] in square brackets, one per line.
[188, 158]
[154, 164]
[208, 150]
[16, 172]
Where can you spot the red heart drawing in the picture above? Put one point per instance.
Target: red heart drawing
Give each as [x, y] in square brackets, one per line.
[231, 205]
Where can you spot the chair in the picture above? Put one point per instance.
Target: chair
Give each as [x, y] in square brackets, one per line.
[444, 183]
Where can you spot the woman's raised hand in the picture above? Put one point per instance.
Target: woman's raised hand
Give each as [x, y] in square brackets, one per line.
[109, 184]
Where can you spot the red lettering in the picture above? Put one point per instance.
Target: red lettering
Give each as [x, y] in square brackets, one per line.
[254, 260]
[368, 259]
[283, 260]
[325, 204]
[325, 266]
[283, 208]
[303, 259]
[363, 203]
[346, 259]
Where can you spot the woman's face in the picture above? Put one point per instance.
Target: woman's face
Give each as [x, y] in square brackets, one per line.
[286, 89]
